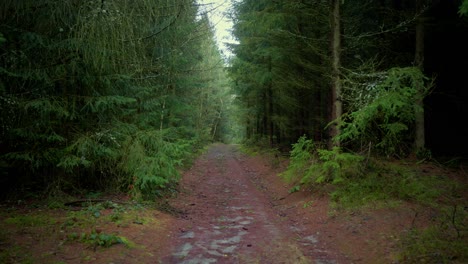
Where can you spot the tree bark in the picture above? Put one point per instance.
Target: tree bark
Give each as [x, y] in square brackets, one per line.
[337, 106]
[419, 140]
[270, 105]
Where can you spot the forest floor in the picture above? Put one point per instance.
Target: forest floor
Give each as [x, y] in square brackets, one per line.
[232, 208]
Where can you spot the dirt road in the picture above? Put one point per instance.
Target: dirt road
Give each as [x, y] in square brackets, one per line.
[232, 208]
[230, 216]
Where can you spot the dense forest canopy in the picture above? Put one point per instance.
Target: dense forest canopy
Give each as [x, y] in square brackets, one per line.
[106, 94]
[359, 105]
[117, 94]
[390, 73]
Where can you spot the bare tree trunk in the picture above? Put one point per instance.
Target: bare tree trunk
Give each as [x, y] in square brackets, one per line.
[217, 120]
[419, 140]
[162, 115]
[337, 106]
[270, 105]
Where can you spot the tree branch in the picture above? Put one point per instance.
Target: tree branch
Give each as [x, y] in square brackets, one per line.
[159, 31]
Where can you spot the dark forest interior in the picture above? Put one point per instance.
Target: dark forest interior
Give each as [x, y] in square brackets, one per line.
[91, 91]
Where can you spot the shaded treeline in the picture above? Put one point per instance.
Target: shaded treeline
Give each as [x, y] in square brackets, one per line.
[373, 66]
[105, 94]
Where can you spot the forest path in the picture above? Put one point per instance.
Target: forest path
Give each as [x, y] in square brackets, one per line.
[229, 216]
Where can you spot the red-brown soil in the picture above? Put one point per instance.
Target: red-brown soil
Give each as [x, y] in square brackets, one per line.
[232, 208]
[237, 210]
[231, 215]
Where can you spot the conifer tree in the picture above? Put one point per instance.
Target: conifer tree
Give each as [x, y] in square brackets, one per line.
[101, 93]
[280, 61]
[313, 69]
[337, 104]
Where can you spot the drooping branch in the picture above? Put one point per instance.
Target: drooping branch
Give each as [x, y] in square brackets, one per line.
[384, 30]
[160, 30]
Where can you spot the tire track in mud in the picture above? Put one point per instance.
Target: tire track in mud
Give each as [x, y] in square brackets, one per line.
[229, 219]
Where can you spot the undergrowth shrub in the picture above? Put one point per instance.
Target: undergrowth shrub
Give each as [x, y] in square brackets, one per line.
[309, 166]
[333, 166]
[150, 162]
[383, 110]
[105, 240]
[386, 182]
[301, 156]
[359, 181]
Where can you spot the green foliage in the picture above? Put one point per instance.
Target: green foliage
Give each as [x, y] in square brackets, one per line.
[312, 166]
[294, 189]
[27, 221]
[102, 95]
[93, 215]
[300, 158]
[151, 161]
[384, 182]
[463, 11]
[279, 70]
[96, 239]
[334, 166]
[383, 111]
[88, 150]
[444, 242]
[360, 181]
[17, 253]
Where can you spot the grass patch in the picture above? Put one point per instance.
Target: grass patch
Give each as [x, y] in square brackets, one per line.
[387, 183]
[22, 221]
[354, 182]
[443, 242]
[107, 213]
[272, 155]
[15, 254]
[95, 239]
[360, 181]
[436, 244]
[34, 235]
[248, 150]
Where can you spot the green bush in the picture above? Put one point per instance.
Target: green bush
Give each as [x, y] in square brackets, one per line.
[360, 181]
[310, 166]
[151, 162]
[386, 182]
[333, 166]
[383, 110]
[300, 158]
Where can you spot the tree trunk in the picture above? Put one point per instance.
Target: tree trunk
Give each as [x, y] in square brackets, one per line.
[419, 140]
[217, 120]
[337, 106]
[270, 104]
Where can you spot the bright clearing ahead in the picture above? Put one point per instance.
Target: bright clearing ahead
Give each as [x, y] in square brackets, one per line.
[217, 13]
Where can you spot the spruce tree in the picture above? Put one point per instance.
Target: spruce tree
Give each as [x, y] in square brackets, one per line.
[280, 68]
[101, 94]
